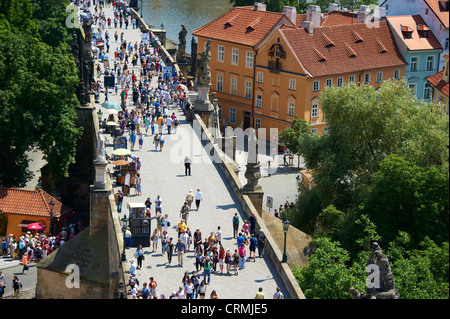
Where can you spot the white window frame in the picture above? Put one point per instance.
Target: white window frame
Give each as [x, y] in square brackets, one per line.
[233, 85]
[427, 88]
[258, 102]
[397, 74]
[430, 63]
[248, 89]
[329, 83]
[219, 84]
[366, 78]
[351, 79]
[379, 76]
[249, 60]
[314, 131]
[221, 53]
[415, 63]
[259, 77]
[340, 81]
[232, 115]
[257, 123]
[315, 110]
[316, 86]
[234, 56]
[291, 108]
[292, 84]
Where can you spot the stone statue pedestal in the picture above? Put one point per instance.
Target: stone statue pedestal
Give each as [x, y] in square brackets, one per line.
[203, 105]
[252, 189]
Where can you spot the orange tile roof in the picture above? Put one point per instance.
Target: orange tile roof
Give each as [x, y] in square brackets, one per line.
[339, 18]
[241, 25]
[438, 83]
[412, 23]
[356, 48]
[29, 202]
[442, 14]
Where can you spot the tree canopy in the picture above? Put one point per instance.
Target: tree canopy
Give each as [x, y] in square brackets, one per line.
[37, 91]
[380, 172]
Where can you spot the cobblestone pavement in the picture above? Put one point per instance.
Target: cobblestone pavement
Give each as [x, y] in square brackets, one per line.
[163, 174]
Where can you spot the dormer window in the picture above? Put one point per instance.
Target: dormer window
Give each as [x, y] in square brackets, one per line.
[423, 30]
[407, 31]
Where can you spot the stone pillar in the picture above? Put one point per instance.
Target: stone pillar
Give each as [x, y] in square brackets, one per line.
[253, 173]
[203, 105]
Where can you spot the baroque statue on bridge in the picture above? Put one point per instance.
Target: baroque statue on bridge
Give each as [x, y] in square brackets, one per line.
[203, 68]
[380, 281]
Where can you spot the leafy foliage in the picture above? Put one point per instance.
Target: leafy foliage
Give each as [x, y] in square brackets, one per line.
[37, 94]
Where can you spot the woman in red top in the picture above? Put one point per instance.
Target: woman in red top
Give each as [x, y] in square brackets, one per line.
[221, 258]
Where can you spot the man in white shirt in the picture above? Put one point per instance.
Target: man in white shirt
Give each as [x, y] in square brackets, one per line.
[198, 198]
[169, 124]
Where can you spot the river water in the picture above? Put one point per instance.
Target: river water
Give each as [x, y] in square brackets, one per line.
[173, 13]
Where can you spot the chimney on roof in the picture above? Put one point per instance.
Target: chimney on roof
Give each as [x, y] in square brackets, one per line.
[363, 14]
[379, 12]
[290, 13]
[258, 6]
[313, 16]
[333, 7]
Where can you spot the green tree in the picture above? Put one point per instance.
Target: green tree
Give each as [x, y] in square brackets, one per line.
[327, 276]
[410, 198]
[292, 135]
[38, 106]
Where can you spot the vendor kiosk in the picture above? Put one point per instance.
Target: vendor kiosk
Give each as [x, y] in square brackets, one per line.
[139, 225]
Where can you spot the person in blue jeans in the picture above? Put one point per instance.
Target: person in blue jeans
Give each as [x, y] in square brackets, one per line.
[207, 270]
[119, 201]
[196, 281]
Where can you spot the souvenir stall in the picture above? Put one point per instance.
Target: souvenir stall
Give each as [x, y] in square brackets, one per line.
[139, 225]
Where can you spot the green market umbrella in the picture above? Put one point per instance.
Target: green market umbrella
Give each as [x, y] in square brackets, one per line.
[112, 106]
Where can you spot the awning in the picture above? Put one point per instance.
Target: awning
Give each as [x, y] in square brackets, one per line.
[65, 215]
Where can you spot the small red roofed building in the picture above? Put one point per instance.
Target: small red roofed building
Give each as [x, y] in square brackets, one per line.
[21, 207]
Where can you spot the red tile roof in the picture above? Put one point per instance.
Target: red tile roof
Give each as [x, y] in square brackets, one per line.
[28, 202]
[339, 18]
[354, 48]
[438, 83]
[241, 25]
[439, 11]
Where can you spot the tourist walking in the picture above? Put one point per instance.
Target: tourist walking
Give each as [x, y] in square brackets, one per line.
[253, 246]
[170, 248]
[187, 166]
[198, 198]
[259, 294]
[235, 225]
[179, 249]
[16, 284]
[184, 212]
[119, 201]
[241, 256]
[207, 270]
[190, 198]
[202, 289]
[139, 254]
[278, 294]
[261, 241]
[155, 238]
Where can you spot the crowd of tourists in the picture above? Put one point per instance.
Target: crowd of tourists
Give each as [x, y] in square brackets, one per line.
[32, 247]
[155, 93]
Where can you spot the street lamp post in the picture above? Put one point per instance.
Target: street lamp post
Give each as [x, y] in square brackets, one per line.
[142, 9]
[51, 204]
[124, 222]
[285, 230]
